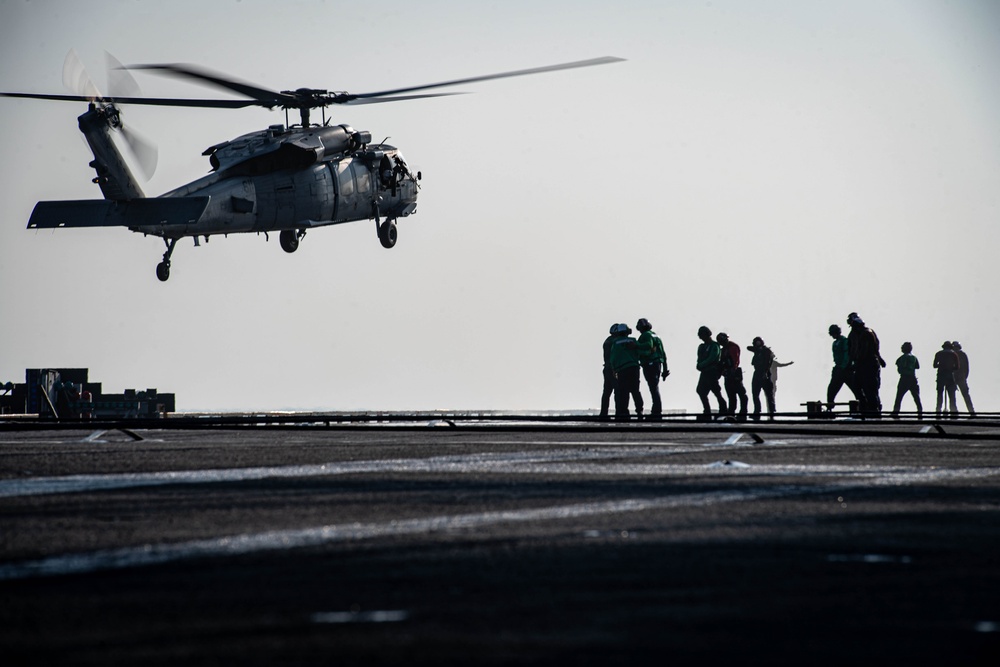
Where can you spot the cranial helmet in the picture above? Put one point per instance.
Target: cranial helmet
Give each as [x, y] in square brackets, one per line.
[614, 329]
[834, 330]
[704, 331]
[643, 324]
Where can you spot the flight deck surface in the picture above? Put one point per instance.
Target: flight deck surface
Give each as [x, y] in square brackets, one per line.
[445, 542]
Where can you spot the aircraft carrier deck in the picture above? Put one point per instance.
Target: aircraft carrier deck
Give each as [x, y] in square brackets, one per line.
[480, 539]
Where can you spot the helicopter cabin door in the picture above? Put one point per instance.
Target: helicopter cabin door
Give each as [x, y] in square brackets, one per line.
[354, 190]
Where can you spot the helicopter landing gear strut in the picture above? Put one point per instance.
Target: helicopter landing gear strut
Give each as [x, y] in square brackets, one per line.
[289, 239]
[163, 268]
[387, 233]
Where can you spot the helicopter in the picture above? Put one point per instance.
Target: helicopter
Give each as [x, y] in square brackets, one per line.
[287, 178]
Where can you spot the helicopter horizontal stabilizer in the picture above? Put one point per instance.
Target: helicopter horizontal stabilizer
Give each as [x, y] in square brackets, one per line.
[170, 211]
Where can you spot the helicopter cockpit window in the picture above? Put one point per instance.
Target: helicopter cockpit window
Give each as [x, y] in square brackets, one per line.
[363, 177]
[345, 179]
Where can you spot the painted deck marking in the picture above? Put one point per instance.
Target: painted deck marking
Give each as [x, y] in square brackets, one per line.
[280, 540]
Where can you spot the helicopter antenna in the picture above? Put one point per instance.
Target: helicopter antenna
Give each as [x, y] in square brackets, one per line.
[386, 139]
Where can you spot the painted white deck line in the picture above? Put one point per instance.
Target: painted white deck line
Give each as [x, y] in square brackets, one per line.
[840, 479]
[452, 463]
[592, 461]
[279, 540]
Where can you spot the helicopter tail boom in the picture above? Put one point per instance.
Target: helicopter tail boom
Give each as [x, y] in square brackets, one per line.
[170, 215]
[113, 174]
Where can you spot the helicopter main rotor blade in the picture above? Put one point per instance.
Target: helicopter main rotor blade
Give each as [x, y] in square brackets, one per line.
[61, 98]
[500, 75]
[262, 96]
[398, 98]
[155, 101]
[300, 99]
[181, 102]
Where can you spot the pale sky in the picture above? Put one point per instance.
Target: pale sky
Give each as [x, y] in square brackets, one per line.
[763, 168]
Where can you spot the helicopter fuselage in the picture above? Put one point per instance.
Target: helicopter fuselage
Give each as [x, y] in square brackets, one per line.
[295, 179]
[285, 180]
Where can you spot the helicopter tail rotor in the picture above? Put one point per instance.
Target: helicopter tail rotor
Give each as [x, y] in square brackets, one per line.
[77, 80]
[145, 151]
[121, 84]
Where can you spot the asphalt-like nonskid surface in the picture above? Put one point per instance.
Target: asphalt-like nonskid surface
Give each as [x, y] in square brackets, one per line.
[453, 546]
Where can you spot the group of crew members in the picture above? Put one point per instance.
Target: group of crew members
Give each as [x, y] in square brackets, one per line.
[857, 363]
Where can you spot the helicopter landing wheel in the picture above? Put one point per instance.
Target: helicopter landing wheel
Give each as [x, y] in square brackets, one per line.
[289, 239]
[163, 271]
[163, 268]
[387, 234]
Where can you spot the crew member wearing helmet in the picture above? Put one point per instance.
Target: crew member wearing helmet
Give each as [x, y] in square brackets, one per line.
[762, 359]
[866, 364]
[907, 366]
[733, 376]
[962, 377]
[625, 362]
[653, 360]
[841, 373]
[609, 372]
[709, 363]
[946, 362]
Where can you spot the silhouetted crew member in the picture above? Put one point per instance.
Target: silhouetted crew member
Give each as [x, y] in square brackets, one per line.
[732, 374]
[709, 363]
[962, 377]
[625, 361]
[761, 362]
[946, 362]
[867, 364]
[841, 373]
[907, 366]
[653, 360]
[609, 373]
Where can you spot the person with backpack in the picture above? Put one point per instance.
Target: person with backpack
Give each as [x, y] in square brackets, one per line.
[733, 376]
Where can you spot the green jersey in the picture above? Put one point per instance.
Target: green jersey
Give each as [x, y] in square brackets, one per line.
[907, 364]
[624, 354]
[651, 348]
[709, 356]
[841, 352]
